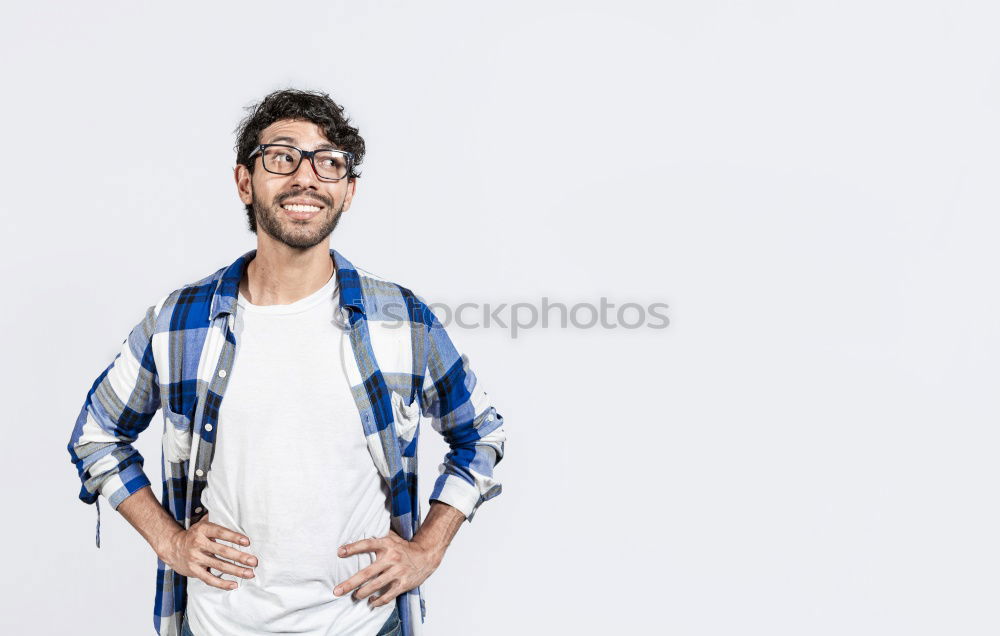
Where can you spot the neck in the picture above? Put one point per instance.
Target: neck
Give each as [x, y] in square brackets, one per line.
[280, 275]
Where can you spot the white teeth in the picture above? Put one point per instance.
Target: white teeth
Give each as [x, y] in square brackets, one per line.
[301, 208]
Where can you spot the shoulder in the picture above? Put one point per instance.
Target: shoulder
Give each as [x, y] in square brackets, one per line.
[188, 305]
[386, 299]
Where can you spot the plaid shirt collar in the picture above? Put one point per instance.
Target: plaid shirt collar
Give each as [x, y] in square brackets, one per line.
[224, 296]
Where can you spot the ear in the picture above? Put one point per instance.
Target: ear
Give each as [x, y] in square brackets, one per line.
[243, 186]
[351, 185]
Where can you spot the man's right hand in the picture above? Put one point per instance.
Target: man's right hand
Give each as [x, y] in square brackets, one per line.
[194, 551]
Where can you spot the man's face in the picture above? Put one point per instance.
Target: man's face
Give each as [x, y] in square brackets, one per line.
[272, 194]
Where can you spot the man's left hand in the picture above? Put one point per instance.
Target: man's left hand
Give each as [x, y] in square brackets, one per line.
[399, 566]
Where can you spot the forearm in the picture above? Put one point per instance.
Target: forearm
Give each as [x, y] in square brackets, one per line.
[439, 528]
[150, 519]
[461, 411]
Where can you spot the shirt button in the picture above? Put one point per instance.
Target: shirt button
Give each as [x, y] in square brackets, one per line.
[222, 373]
[199, 472]
[208, 427]
[198, 509]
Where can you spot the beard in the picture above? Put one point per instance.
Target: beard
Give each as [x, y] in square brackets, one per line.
[294, 233]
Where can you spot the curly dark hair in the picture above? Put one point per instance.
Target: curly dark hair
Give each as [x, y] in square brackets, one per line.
[290, 103]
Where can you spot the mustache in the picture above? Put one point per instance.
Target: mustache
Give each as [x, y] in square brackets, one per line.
[281, 198]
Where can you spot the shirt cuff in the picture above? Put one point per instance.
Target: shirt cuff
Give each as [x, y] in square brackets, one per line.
[124, 483]
[458, 493]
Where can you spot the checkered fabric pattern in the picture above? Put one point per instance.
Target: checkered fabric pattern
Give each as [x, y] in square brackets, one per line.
[180, 356]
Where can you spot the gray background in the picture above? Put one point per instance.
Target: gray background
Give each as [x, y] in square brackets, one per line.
[809, 448]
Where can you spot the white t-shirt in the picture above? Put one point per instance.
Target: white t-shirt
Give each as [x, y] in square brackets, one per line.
[292, 472]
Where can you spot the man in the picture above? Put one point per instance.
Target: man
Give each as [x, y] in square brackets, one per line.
[291, 505]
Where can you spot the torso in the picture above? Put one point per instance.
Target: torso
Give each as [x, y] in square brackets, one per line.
[293, 472]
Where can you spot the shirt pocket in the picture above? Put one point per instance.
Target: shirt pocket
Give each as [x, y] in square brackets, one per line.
[406, 419]
[176, 438]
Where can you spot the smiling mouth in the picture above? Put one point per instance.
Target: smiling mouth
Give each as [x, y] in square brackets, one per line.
[301, 211]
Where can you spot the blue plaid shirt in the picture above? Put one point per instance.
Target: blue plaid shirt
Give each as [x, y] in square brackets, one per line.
[179, 358]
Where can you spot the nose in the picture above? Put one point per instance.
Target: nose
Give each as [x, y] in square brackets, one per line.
[305, 175]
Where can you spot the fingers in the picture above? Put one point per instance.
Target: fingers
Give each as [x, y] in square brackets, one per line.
[198, 553]
[210, 579]
[210, 532]
[233, 554]
[382, 581]
[199, 565]
[211, 550]
[215, 531]
[386, 595]
[227, 567]
[204, 562]
[372, 570]
[364, 545]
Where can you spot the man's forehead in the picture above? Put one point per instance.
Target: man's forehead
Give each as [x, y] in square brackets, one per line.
[295, 131]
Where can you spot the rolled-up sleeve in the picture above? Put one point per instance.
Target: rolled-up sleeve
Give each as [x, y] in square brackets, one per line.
[119, 406]
[462, 413]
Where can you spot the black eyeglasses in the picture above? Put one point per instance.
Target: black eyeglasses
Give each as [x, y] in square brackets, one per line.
[329, 165]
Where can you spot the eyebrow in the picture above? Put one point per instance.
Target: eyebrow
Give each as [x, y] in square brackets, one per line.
[291, 140]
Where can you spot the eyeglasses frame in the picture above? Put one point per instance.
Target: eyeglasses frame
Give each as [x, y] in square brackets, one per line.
[305, 154]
